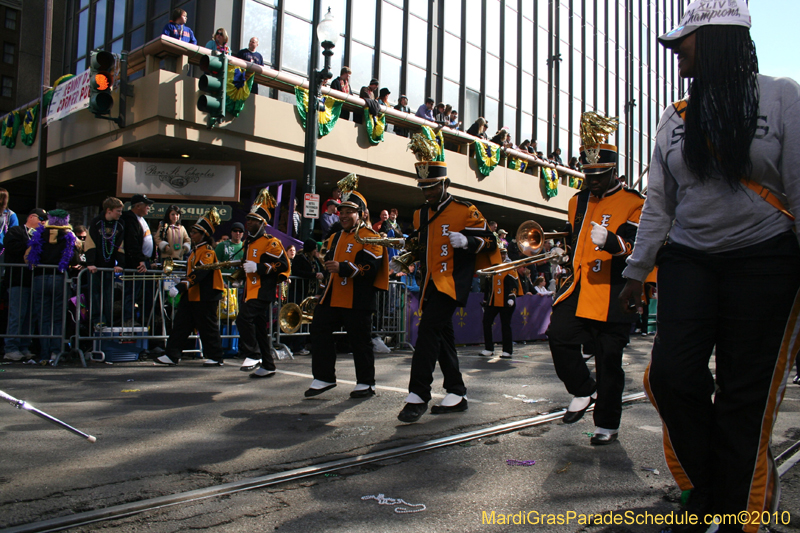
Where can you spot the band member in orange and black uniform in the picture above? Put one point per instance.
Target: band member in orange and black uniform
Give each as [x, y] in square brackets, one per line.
[265, 264]
[357, 271]
[200, 293]
[451, 233]
[500, 297]
[603, 219]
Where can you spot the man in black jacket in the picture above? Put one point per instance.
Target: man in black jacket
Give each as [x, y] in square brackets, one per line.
[139, 253]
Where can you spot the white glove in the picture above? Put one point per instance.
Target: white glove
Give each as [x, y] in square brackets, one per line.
[599, 235]
[173, 292]
[457, 240]
[395, 266]
[250, 267]
[188, 247]
[163, 245]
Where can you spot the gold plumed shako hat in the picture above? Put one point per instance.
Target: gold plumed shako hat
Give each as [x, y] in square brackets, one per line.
[597, 156]
[351, 198]
[261, 207]
[209, 222]
[429, 171]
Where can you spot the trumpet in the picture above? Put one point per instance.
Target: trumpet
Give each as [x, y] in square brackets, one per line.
[389, 242]
[237, 263]
[292, 316]
[530, 241]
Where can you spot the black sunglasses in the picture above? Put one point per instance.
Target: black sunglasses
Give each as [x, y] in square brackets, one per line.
[82, 237]
[237, 231]
[220, 33]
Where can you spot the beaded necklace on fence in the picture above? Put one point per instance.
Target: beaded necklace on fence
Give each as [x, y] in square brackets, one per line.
[108, 242]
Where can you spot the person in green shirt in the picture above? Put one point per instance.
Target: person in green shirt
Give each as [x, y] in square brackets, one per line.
[231, 249]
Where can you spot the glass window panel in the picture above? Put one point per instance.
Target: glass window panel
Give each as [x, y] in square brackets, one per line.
[635, 41]
[471, 105]
[364, 21]
[473, 70]
[160, 7]
[450, 93]
[577, 76]
[418, 44]
[527, 9]
[260, 21]
[527, 46]
[493, 26]
[100, 24]
[563, 110]
[8, 53]
[419, 8]
[83, 32]
[526, 127]
[452, 17]
[302, 8]
[490, 113]
[589, 48]
[118, 23]
[139, 12]
[563, 23]
[84, 3]
[415, 87]
[577, 28]
[392, 30]
[541, 99]
[510, 85]
[137, 38]
[361, 63]
[157, 24]
[510, 34]
[588, 13]
[339, 12]
[390, 75]
[492, 77]
[526, 98]
[11, 19]
[542, 43]
[601, 17]
[589, 81]
[452, 58]
[474, 21]
[541, 135]
[116, 46]
[543, 14]
[296, 44]
[510, 122]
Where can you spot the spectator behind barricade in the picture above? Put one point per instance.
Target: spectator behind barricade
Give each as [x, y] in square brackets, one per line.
[391, 229]
[366, 219]
[384, 216]
[104, 249]
[219, 42]
[410, 279]
[383, 97]
[296, 219]
[53, 244]
[308, 266]
[534, 147]
[8, 219]
[502, 138]
[336, 195]
[439, 114]
[177, 28]
[478, 129]
[171, 237]
[370, 95]
[574, 164]
[501, 237]
[139, 255]
[249, 54]
[426, 110]
[19, 286]
[557, 156]
[231, 249]
[525, 279]
[402, 106]
[81, 232]
[342, 84]
[524, 146]
[454, 122]
[541, 290]
[329, 217]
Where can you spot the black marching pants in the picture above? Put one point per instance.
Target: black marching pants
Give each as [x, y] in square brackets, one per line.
[717, 432]
[358, 324]
[489, 314]
[566, 334]
[254, 341]
[195, 315]
[436, 342]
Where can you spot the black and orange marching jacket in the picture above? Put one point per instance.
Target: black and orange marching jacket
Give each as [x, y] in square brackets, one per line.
[363, 270]
[450, 270]
[273, 267]
[202, 285]
[597, 274]
[496, 293]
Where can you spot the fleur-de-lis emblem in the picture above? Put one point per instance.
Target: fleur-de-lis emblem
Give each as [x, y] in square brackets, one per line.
[462, 313]
[418, 316]
[525, 314]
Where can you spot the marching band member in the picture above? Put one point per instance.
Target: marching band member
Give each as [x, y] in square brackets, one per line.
[265, 265]
[500, 297]
[357, 271]
[200, 293]
[451, 234]
[602, 225]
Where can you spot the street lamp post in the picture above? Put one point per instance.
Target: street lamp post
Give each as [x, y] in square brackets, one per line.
[328, 36]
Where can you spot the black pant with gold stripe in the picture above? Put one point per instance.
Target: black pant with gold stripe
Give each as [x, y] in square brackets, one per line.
[742, 306]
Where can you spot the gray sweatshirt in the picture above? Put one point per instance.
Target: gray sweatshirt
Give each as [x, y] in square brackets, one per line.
[712, 217]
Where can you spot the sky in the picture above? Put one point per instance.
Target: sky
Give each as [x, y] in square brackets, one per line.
[777, 37]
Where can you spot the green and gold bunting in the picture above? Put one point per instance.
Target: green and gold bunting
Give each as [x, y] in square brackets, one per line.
[437, 138]
[550, 177]
[517, 164]
[376, 126]
[10, 128]
[240, 83]
[488, 157]
[575, 182]
[326, 119]
[48, 95]
[30, 123]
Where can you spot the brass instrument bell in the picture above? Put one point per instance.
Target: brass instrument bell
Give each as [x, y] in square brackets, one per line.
[292, 316]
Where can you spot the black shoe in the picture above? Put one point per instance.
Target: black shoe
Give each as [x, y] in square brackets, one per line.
[262, 373]
[412, 412]
[602, 438]
[570, 417]
[366, 393]
[316, 392]
[457, 408]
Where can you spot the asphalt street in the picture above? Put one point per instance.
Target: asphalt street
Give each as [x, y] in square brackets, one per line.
[166, 430]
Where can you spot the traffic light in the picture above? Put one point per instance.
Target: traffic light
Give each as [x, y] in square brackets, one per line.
[214, 82]
[102, 80]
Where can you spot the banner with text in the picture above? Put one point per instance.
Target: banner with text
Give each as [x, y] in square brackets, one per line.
[69, 97]
[178, 179]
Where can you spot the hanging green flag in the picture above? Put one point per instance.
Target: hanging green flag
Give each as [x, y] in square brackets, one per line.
[376, 126]
[48, 95]
[327, 118]
[10, 129]
[575, 182]
[437, 138]
[30, 124]
[240, 83]
[550, 177]
[487, 156]
[517, 164]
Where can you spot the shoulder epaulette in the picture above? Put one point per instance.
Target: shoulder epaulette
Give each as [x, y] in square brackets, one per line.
[462, 202]
[634, 191]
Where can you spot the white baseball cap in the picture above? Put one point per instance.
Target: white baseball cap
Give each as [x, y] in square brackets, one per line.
[708, 12]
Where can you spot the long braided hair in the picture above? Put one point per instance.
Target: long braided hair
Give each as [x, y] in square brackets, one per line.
[722, 111]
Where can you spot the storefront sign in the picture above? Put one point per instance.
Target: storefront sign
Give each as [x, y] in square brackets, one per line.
[69, 97]
[191, 213]
[178, 179]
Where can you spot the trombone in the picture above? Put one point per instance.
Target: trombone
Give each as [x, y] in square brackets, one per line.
[167, 266]
[530, 241]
